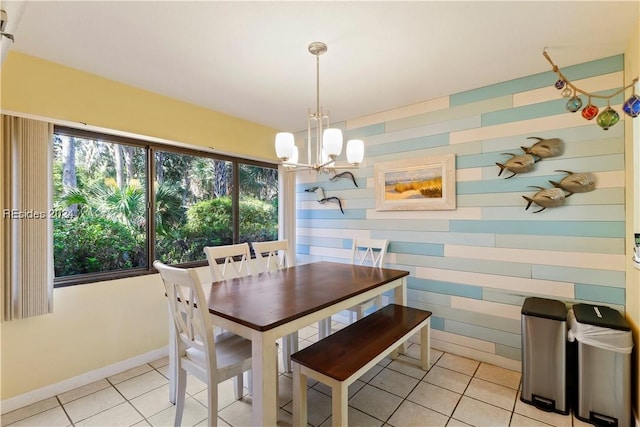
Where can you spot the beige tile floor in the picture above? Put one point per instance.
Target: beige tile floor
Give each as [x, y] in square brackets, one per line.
[456, 391]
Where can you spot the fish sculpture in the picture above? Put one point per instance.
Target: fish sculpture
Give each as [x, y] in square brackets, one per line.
[345, 174]
[321, 197]
[544, 147]
[576, 182]
[517, 164]
[546, 198]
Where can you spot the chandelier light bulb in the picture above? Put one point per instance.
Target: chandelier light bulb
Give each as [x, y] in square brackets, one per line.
[355, 151]
[294, 158]
[284, 145]
[332, 142]
[326, 160]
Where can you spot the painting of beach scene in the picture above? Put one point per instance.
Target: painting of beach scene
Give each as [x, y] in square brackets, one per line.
[417, 184]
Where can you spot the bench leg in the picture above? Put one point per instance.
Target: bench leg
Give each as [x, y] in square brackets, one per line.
[299, 397]
[340, 405]
[425, 345]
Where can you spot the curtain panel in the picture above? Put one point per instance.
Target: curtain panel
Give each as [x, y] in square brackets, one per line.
[26, 236]
[287, 209]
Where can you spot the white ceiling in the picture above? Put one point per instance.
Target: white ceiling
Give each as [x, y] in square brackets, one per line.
[250, 59]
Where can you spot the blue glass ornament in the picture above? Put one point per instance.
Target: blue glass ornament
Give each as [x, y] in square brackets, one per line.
[631, 106]
[574, 104]
[559, 84]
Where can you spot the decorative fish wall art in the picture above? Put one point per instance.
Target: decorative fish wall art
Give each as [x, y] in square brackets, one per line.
[544, 147]
[576, 182]
[517, 164]
[546, 198]
[555, 196]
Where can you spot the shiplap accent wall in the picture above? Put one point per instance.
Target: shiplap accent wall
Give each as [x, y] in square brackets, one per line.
[474, 266]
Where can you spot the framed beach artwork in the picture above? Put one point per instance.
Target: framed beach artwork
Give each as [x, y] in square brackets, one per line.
[416, 184]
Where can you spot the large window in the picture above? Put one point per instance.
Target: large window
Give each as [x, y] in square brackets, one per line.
[112, 220]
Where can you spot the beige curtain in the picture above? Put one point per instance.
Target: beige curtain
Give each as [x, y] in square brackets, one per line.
[287, 209]
[26, 258]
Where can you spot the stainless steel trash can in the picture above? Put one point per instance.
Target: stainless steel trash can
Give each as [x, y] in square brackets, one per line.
[544, 353]
[604, 364]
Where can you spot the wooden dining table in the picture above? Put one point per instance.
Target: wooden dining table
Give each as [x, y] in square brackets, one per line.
[270, 305]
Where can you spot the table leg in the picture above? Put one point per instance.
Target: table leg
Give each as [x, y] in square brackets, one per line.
[400, 298]
[264, 363]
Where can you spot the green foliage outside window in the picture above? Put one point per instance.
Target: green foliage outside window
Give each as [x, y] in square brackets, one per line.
[100, 187]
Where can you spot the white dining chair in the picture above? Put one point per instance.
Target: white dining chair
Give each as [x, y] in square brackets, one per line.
[369, 252]
[211, 360]
[236, 261]
[272, 256]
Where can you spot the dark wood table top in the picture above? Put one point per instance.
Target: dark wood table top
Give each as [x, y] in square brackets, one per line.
[268, 300]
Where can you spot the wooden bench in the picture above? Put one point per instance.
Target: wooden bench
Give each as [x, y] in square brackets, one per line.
[340, 359]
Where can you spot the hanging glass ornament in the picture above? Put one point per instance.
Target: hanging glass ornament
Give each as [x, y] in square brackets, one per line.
[590, 111]
[566, 92]
[631, 106]
[608, 118]
[574, 104]
[559, 84]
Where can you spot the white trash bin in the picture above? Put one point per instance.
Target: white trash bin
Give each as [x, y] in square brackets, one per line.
[604, 364]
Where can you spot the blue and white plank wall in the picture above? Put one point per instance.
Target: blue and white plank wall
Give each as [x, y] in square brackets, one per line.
[474, 266]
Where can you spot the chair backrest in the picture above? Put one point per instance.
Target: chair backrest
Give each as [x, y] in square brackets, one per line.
[369, 251]
[189, 311]
[272, 255]
[236, 261]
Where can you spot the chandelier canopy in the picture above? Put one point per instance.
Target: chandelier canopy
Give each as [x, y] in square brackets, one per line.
[327, 142]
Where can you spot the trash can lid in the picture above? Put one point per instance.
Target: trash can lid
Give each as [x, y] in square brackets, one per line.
[600, 315]
[546, 308]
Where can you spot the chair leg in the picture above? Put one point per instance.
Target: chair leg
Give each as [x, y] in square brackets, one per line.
[212, 397]
[324, 327]
[250, 381]
[238, 386]
[181, 389]
[289, 346]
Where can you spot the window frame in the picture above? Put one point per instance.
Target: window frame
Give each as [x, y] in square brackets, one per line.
[150, 150]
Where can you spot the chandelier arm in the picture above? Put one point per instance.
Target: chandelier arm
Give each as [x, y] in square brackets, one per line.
[577, 89]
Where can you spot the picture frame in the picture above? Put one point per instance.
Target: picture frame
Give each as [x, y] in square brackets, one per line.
[416, 184]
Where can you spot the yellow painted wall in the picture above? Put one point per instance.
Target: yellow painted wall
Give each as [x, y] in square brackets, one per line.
[632, 167]
[92, 326]
[34, 86]
[100, 324]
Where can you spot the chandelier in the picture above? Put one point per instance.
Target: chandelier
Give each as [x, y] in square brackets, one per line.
[328, 141]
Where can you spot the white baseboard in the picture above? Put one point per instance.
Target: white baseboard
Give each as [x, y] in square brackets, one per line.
[51, 390]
